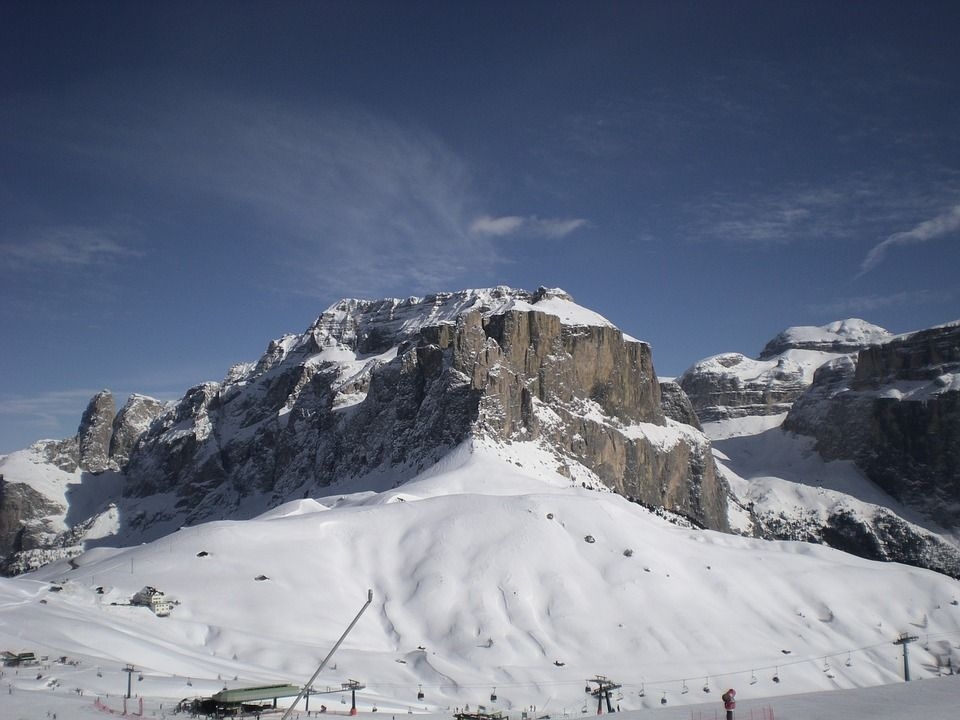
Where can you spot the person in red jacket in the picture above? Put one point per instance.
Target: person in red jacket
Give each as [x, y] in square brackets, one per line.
[729, 702]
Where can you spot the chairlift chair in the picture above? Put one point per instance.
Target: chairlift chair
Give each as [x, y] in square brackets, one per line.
[493, 695]
[420, 693]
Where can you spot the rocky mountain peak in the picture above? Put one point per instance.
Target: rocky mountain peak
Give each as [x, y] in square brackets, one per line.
[842, 336]
[386, 387]
[733, 385]
[95, 431]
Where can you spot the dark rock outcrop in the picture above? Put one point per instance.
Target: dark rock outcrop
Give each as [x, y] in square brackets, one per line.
[129, 424]
[676, 404]
[895, 411]
[732, 385]
[95, 431]
[388, 387]
[22, 518]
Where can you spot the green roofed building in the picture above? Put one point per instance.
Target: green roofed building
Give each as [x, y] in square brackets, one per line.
[254, 694]
[243, 699]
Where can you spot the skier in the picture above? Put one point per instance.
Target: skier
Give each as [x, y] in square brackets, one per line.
[729, 702]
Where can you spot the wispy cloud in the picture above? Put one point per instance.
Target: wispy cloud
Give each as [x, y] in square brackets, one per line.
[846, 307]
[49, 412]
[940, 226]
[845, 210]
[67, 247]
[333, 199]
[486, 225]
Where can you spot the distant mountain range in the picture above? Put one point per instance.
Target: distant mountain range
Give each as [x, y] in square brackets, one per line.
[859, 428]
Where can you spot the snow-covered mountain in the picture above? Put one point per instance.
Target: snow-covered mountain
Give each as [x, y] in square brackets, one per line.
[491, 574]
[368, 396]
[733, 385]
[528, 505]
[844, 435]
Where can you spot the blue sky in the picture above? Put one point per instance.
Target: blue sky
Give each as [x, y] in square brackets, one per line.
[182, 182]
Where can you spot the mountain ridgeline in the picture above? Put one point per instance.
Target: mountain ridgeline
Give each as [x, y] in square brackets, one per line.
[376, 392]
[890, 404]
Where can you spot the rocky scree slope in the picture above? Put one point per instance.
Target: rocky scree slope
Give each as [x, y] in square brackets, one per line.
[376, 391]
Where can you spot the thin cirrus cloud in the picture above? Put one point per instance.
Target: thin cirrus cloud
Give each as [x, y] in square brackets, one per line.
[336, 195]
[844, 307]
[47, 411]
[532, 225]
[940, 226]
[67, 247]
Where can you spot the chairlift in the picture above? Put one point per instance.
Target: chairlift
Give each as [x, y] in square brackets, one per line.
[420, 693]
[776, 675]
[849, 660]
[641, 693]
[189, 683]
[140, 677]
[753, 678]
[586, 688]
[493, 695]
[663, 700]
[826, 666]
[683, 688]
[706, 685]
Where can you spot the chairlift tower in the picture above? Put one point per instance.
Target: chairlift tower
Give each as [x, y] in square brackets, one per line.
[602, 691]
[352, 686]
[905, 639]
[129, 670]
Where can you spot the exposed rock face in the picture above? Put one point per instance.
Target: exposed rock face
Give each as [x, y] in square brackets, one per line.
[838, 338]
[676, 405]
[731, 385]
[896, 412]
[880, 535]
[22, 513]
[388, 387]
[96, 429]
[39, 527]
[129, 424]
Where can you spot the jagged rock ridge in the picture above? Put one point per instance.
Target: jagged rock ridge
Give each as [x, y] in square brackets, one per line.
[895, 411]
[388, 387]
[372, 393]
[733, 385]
